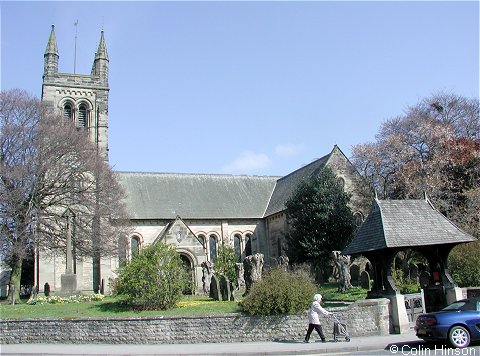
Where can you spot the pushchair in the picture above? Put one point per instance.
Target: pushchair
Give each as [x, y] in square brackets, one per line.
[339, 329]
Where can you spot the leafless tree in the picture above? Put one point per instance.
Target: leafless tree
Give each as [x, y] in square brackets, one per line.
[432, 148]
[50, 171]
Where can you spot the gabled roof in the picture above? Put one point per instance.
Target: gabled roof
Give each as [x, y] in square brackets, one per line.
[195, 196]
[287, 185]
[180, 229]
[404, 223]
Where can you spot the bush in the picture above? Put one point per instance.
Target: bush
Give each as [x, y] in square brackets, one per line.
[224, 265]
[464, 264]
[405, 284]
[279, 292]
[154, 279]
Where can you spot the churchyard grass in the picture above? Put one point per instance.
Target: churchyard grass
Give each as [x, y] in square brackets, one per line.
[110, 308]
[189, 305]
[329, 293]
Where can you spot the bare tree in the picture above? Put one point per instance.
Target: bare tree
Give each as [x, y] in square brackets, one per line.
[343, 264]
[433, 148]
[51, 172]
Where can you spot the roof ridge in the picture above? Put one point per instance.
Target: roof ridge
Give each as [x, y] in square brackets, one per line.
[199, 174]
[305, 166]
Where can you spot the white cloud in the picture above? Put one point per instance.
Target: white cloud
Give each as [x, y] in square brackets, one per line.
[289, 149]
[247, 163]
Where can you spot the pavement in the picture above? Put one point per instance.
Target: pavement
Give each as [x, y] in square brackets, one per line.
[279, 347]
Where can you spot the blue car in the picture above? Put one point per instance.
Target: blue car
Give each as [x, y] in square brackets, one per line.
[458, 323]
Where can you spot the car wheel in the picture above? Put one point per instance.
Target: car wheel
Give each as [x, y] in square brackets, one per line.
[459, 336]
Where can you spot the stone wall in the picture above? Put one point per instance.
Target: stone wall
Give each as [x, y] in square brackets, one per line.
[367, 317]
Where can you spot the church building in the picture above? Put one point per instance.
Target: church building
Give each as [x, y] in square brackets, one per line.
[196, 213]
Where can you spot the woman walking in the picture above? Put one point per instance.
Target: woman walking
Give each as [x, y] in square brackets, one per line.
[314, 318]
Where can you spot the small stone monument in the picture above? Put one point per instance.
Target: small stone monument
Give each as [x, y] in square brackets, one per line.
[207, 270]
[225, 288]
[68, 280]
[240, 275]
[283, 262]
[215, 293]
[253, 266]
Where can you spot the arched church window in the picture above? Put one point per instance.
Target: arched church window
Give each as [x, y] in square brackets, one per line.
[82, 116]
[212, 244]
[201, 238]
[248, 245]
[67, 111]
[236, 245]
[134, 246]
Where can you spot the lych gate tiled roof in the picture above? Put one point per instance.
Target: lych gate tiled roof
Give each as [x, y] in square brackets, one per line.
[404, 223]
[195, 196]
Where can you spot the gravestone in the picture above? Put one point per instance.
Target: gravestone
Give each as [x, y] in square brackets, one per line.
[215, 288]
[283, 262]
[225, 289]
[424, 279]
[355, 275]
[365, 280]
[46, 289]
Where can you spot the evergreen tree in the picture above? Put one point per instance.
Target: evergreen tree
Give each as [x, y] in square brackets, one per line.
[319, 219]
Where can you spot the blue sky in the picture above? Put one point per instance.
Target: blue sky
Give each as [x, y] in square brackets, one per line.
[257, 88]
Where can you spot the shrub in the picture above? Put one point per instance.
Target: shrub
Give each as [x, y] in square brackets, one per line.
[279, 292]
[225, 263]
[154, 279]
[464, 264]
[405, 284]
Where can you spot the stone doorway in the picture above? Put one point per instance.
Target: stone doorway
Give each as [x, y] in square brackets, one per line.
[188, 266]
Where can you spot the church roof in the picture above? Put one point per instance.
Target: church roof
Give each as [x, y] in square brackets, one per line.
[195, 196]
[404, 223]
[287, 185]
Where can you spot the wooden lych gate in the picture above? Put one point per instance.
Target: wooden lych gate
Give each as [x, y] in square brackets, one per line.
[396, 225]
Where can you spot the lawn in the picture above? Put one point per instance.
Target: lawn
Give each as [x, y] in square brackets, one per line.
[189, 305]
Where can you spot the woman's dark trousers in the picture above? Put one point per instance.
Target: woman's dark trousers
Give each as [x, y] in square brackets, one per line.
[318, 328]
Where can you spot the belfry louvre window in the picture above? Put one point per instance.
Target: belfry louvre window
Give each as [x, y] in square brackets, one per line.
[82, 116]
[67, 111]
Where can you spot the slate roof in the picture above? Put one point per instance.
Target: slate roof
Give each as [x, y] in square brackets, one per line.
[286, 185]
[195, 196]
[404, 223]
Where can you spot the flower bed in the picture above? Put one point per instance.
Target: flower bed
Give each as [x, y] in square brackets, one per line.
[40, 299]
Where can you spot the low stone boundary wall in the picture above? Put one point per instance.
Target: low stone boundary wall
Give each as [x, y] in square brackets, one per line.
[366, 317]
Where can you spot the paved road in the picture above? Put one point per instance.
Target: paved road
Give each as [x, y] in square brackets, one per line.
[358, 345]
[394, 345]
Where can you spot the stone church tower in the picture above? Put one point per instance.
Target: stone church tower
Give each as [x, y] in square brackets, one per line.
[79, 97]
[82, 99]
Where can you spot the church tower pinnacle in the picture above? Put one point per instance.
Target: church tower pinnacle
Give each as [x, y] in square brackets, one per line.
[50, 65]
[81, 98]
[100, 64]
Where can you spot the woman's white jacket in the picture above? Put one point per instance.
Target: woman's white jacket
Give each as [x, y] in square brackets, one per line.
[314, 313]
